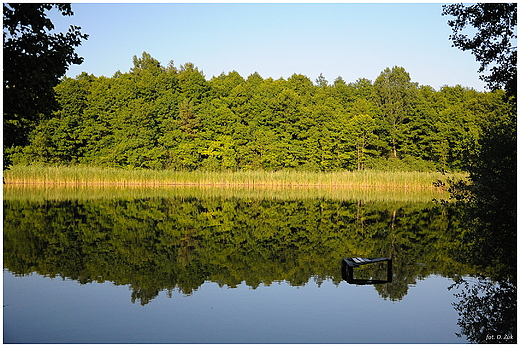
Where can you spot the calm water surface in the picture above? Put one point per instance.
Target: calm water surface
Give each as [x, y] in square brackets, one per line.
[57, 311]
[191, 269]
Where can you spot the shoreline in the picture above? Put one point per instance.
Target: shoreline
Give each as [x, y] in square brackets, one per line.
[340, 180]
[222, 185]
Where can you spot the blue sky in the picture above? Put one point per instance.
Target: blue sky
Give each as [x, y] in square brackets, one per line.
[276, 40]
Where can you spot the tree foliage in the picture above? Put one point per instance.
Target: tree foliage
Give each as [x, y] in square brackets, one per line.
[491, 199]
[174, 118]
[494, 43]
[34, 60]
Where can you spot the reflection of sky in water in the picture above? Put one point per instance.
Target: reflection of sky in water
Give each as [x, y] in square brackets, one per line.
[44, 310]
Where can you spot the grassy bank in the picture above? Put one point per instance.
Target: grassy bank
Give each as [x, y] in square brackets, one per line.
[83, 175]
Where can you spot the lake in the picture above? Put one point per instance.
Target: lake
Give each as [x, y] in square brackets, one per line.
[199, 266]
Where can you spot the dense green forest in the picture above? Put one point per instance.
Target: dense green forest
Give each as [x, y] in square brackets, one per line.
[160, 117]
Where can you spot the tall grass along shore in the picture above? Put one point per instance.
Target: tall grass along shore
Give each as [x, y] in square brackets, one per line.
[85, 175]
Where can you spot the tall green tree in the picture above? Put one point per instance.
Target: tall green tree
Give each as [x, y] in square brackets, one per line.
[363, 131]
[34, 60]
[193, 83]
[63, 137]
[223, 84]
[395, 94]
[492, 199]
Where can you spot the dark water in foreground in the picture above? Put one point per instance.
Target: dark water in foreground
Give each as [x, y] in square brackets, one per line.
[240, 270]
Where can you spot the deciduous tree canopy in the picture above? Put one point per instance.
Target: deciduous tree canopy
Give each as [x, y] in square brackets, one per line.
[166, 117]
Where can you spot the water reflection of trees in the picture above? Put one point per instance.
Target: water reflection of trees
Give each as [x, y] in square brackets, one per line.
[487, 302]
[177, 244]
[487, 310]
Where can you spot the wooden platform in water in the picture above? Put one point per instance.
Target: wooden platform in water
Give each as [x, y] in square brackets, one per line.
[348, 265]
[355, 262]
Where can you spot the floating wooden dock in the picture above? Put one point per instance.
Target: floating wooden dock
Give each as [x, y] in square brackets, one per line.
[348, 265]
